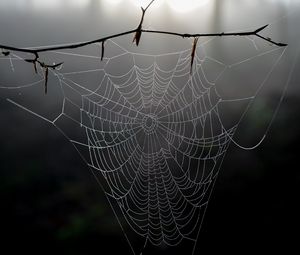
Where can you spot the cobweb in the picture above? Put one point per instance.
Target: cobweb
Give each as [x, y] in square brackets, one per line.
[153, 134]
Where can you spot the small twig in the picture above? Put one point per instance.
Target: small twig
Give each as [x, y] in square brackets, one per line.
[33, 61]
[5, 53]
[271, 41]
[46, 71]
[138, 33]
[149, 5]
[193, 53]
[46, 79]
[53, 66]
[102, 52]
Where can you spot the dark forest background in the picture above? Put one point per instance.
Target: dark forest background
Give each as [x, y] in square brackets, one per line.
[51, 203]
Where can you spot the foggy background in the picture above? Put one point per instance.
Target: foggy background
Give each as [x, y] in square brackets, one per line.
[50, 202]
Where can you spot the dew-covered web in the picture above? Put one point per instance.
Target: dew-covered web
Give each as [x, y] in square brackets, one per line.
[152, 132]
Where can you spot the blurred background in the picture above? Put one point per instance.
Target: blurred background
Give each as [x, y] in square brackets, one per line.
[51, 203]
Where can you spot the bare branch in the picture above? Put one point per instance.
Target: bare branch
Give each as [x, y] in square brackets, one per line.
[246, 33]
[66, 46]
[6, 49]
[82, 44]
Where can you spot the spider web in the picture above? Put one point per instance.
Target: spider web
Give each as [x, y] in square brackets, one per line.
[152, 132]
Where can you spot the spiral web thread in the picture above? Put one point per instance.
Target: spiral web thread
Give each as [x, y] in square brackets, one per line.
[153, 133]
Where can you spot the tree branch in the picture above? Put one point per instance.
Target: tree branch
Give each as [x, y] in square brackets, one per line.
[138, 32]
[184, 35]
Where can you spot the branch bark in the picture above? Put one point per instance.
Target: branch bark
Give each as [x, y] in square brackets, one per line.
[100, 40]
